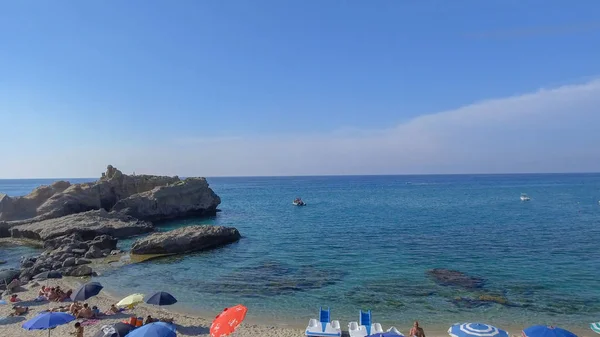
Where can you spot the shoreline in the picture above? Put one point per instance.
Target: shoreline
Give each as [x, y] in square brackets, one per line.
[189, 322]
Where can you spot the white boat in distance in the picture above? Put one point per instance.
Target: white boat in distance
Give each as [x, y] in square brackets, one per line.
[525, 197]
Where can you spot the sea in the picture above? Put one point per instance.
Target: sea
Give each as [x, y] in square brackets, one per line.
[369, 242]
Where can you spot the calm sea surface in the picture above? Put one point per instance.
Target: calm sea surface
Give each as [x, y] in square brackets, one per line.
[367, 242]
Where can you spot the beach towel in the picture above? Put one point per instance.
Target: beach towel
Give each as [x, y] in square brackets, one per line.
[90, 322]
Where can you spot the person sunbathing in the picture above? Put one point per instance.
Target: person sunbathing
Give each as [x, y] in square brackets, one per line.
[149, 320]
[14, 298]
[113, 310]
[62, 308]
[19, 310]
[74, 308]
[85, 312]
[53, 295]
[65, 296]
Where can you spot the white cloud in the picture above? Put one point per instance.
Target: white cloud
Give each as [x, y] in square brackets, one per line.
[551, 130]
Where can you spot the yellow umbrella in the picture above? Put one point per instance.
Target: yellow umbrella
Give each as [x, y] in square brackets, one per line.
[131, 300]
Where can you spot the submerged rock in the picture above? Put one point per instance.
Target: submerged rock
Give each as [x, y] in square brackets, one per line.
[269, 279]
[447, 277]
[186, 239]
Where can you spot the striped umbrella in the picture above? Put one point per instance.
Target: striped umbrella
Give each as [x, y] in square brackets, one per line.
[595, 327]
[476, 330]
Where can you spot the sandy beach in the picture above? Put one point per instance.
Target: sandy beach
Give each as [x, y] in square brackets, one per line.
[187, 325]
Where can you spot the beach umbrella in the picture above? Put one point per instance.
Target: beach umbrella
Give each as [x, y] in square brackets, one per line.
[131, 300]
[595, 327]
[226, 322]
[48, 275]
[156, 329]
[115, 330]
[476, 330]
[546, 331]
[86, 291]
[47, 321]
[161, 298]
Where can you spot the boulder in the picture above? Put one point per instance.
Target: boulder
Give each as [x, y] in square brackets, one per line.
[93, 253]
[446, 277]
[82, 270]
[78, 251]
[190, 197]
[69, 262]
[103, 242]
[186, 239]
[86, 225]
[80, 262]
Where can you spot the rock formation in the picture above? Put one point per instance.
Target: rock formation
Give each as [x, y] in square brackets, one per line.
[79, 222]
[189, 197]
[87, 224]
[186, 239]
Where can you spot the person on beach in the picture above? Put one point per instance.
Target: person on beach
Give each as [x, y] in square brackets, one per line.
[149, 320]
[416, 331]
[74, 308]
[113, 310]
[65, 296]
[78, 330]
[14, 298]
[19, 310]
[85, 312]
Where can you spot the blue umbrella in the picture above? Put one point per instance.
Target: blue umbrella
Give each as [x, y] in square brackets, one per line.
[48, 320]
[157, 329]
[161, 298]
[86, 291]
[546, 331]
[476, 330]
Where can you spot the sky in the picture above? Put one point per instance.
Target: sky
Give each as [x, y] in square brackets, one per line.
[313, 87]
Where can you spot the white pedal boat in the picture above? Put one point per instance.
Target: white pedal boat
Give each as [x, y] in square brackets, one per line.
[364, 327]
[324, 326]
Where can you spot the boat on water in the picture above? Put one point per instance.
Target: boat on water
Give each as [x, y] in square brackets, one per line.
[525, 197]
[298, 202]
[324, 326]
[364, 326]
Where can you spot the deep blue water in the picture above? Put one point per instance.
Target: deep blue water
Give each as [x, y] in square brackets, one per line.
[367, 242]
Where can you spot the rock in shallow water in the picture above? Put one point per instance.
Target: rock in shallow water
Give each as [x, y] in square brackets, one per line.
[455, 278]
[186, 239]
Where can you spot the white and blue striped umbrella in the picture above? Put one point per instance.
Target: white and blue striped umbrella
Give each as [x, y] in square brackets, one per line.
[475, 330]
[595, 327]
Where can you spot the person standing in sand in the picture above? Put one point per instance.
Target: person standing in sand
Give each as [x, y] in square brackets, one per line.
[416, 331]
[78, 330]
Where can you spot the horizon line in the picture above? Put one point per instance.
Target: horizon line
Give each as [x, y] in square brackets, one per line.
[332, 175]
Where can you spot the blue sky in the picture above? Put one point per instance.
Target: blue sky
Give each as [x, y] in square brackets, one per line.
[295, 87]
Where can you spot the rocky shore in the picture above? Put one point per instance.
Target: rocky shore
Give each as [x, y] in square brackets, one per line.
[78, 223]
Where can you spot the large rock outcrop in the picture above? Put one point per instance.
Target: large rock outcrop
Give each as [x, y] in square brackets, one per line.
[87, 224]
[186, 239]
[62, 198]
[189, 197]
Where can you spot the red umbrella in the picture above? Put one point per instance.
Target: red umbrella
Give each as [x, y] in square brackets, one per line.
[226, 322]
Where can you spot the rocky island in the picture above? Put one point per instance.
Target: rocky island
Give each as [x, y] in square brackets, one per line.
[80, 222]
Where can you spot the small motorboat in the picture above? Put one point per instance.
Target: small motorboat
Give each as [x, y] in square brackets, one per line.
[324, 327]
[525, 197]
[364, 327]
[298, 202]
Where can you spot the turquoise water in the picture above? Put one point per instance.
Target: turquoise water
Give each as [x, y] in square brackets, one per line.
[367, 242]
